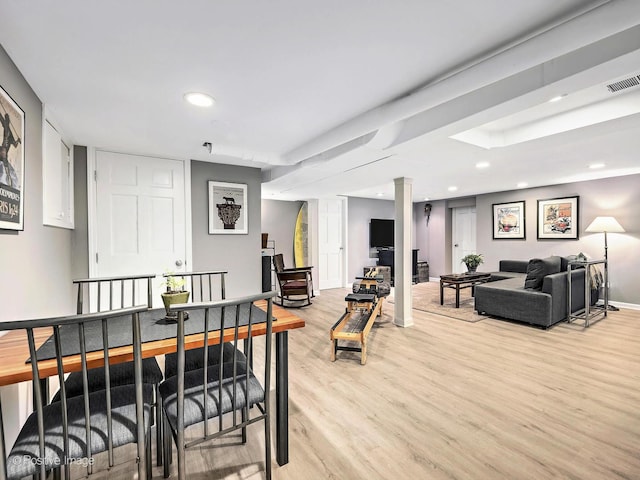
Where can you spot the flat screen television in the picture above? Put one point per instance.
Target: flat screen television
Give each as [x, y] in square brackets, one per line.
[381, 233]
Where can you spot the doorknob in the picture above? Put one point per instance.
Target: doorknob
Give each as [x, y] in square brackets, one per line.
[455, 245]
[178, 263]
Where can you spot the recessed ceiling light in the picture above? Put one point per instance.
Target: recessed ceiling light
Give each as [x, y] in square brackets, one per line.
[380, 194]
[426, 199]
[522, 184]
[452, 189]
[482, 164]
[596, 165]
[199, 99]
[557, 98]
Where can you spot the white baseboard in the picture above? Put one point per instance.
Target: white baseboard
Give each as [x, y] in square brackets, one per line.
[630, 306]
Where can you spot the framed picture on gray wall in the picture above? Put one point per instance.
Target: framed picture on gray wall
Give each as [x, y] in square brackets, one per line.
[227, 208]
[558, 218]
[509, 220]
[11, 164]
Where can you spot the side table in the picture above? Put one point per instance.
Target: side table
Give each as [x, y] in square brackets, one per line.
[589, 312]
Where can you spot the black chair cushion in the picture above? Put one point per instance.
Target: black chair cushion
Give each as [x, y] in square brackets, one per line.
[25, 453]
[360, 297]
[194, 358]
[194, 411]
[119, 374]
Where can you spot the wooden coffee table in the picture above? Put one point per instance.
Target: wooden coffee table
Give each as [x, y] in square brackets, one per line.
[458, 281]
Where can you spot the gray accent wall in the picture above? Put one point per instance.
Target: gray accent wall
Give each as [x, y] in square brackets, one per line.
[359, 212]
[279, 221]
[36, 262]
[240, 255]
[616, 196]
[80, 234]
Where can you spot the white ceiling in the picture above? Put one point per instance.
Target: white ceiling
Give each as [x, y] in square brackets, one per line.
[338, 97]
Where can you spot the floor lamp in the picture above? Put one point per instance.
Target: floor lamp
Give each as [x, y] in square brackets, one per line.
[604, 225]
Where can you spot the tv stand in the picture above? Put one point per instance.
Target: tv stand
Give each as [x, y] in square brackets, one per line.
[386, 258]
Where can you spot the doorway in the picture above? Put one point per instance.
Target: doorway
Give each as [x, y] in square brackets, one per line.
[331, 241]
[140, 219]
[463, 236]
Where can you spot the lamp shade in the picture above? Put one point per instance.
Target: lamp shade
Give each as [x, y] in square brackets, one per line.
[604, 224]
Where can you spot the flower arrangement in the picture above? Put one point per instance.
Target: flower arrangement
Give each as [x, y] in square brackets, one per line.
[174, 284]
[472, 260]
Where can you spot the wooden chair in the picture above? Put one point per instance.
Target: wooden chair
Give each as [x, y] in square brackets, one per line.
[293, 282]
[77, 428]
[194, 397]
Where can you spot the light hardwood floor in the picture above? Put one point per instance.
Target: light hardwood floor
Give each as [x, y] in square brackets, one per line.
[447, 399]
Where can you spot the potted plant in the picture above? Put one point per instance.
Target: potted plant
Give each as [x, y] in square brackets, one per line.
[472, 261]
[174, 294]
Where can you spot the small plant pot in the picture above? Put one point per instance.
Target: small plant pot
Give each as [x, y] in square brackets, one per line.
[471, 269]
[174, 298]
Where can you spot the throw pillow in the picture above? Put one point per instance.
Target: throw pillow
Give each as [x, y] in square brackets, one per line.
[536, 271]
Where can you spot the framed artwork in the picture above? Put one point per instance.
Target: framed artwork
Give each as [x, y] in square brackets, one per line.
[11, 164]
[558, 218]
[227, 208]
[508, 220]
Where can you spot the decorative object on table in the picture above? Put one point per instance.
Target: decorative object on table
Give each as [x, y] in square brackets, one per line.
[509, 220]
[227, 208]
[11, 164]
[558, 218]
[174, 294]
[472, 261]
[427, 211]
[604, 225]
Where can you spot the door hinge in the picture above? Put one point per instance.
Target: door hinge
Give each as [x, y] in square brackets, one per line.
[95, 175]
[96, 257]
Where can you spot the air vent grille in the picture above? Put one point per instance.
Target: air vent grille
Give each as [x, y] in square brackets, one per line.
[623, 84]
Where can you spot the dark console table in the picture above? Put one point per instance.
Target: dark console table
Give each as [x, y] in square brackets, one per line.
[386, 258]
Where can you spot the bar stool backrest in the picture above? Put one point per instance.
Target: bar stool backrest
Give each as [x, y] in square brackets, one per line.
[48, 452]
[204, 286]
[102, 294]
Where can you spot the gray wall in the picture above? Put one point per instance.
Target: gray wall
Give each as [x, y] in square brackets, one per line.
[359, 212]
[240, 255]
[431, 239]
[279, 221]
[36, 262]
[618, 196]
[80, 234]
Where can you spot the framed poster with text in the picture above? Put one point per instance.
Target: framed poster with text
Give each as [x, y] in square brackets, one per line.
[11, 164]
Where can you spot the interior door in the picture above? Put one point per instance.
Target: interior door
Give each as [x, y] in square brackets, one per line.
[331, 243]
[463, 235]
[140, 216]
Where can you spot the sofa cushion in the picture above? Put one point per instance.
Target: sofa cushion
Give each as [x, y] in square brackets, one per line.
[535, 274]
[538, 268]
[553, 264]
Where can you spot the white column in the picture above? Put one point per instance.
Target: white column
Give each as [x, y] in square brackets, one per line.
[403, 252]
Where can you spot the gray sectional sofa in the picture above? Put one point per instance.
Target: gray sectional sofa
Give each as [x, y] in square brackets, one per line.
[538, 297]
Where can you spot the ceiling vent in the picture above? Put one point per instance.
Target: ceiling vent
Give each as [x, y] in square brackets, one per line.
[624, 84]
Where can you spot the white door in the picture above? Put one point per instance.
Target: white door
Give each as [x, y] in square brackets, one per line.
[140, 216]
[331, 243]
[463, 235]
